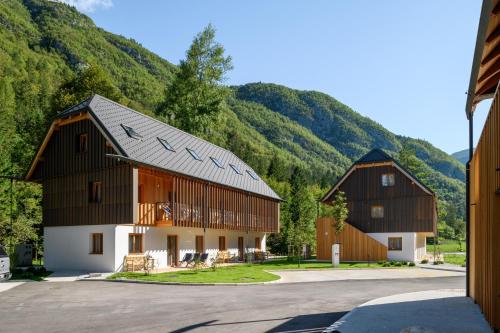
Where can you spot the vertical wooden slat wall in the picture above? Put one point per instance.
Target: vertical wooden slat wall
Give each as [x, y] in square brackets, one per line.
[225, 208]
[485, 218]
[355, 245]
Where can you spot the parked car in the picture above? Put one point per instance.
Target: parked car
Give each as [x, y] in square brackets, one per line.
[4, 265]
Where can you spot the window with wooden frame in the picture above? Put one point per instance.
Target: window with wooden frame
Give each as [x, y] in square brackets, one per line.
[96, 243]
[257, 243]
[82, 143]
[199, 244]
[95, 192]
[388, 179]
[222, 243]
[395, 244]
[377, 212]
[134, 243]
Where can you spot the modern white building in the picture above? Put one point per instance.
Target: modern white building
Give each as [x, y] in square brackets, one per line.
[118, 184]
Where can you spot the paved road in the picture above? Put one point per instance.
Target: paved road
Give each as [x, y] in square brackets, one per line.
[110, 307]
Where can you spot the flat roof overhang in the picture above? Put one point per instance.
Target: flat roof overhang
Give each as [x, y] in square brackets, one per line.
[485, 73]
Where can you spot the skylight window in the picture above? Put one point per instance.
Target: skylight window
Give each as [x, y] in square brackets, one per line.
[236, 169]
[165, 144]
[194, 154]
[131, 132]
[253, 175]
[217, 162]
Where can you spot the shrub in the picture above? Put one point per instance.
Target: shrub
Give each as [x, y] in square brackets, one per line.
[404, 263]
[386, 264]
[411, 264]
[381, 262]
[425, 261]
[398, 264]
[438, 262]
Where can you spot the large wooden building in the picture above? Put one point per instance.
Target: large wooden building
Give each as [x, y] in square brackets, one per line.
[390, 212]
[117, 182]
[483, 170]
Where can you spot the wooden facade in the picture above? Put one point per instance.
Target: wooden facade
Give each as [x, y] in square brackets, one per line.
[354, 244]
[168, 199]
[484, 274]
[406, 206]
[73, 159]
[66, 174]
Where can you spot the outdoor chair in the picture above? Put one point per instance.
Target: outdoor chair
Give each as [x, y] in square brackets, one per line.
[204, 259]
[196, 258]
[188, 258]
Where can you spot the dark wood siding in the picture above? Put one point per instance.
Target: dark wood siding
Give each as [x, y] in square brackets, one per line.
[66, 174]
[407, 208]
[61, 157]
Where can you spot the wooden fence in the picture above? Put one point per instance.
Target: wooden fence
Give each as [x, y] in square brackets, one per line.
[355, 245]
[485, 218]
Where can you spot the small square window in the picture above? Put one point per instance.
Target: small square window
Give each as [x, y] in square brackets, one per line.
[217, 162]
[95, 192]
[236, 169]
[377, 212]
[96, 243]
[194, 154]
[131, 132]
[167, 145]
[253, 175]
[388, 179]
[395, 244]
[134, 243]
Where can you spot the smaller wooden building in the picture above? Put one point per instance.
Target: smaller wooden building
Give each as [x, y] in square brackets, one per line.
[390, 213]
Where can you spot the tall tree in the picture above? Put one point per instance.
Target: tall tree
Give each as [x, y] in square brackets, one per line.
[88, 81]
[340, 212]
[196, 95]
[301, 212]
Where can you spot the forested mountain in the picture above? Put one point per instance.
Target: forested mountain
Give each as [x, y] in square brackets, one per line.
[271, 127]
[462, 156]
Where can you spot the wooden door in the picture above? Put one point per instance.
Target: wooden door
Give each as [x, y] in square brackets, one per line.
[172, 249]
[240, 248]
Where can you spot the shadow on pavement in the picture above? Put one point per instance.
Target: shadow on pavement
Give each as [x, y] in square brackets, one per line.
[300, 324]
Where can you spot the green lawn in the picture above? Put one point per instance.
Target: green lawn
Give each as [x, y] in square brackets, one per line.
[240, 273]
[447, 245]
[455, 259]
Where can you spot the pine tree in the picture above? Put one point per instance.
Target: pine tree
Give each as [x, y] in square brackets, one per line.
[195, 97]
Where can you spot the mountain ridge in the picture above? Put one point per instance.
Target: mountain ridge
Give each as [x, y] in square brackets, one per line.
[272, 127]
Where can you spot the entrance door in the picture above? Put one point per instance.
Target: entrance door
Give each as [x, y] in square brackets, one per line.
[172, 250]
[240, 248]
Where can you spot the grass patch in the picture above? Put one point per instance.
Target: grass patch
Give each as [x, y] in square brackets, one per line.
[446, 245]
[455, 259]
[243, 273]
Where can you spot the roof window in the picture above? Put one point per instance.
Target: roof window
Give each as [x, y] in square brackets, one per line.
[217, 162]
[194, 154]
[253, 175]
[236, 169]
[165, 144]
[131, 132]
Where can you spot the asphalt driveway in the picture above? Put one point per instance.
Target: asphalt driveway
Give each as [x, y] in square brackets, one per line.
[97, 306]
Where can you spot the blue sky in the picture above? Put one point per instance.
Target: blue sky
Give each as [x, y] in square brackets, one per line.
[404, 64]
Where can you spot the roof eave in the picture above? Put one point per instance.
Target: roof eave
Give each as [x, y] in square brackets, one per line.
[484, 20]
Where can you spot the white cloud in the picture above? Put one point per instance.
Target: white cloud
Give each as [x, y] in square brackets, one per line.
[88, 5]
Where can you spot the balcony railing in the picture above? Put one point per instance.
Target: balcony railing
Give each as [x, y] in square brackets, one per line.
[164, 213]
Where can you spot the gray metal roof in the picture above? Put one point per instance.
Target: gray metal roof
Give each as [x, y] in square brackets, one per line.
[148, 150]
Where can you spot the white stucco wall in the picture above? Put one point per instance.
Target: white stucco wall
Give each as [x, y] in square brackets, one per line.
[408, 252]
[420, 245]
[68, 248]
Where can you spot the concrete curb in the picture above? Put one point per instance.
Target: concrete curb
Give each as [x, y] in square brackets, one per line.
[443, 269]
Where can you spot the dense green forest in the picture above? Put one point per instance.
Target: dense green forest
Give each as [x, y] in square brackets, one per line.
[44, 45]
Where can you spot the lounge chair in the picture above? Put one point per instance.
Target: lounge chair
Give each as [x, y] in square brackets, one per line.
[204, 259]
[188, 258]
[196, 258]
